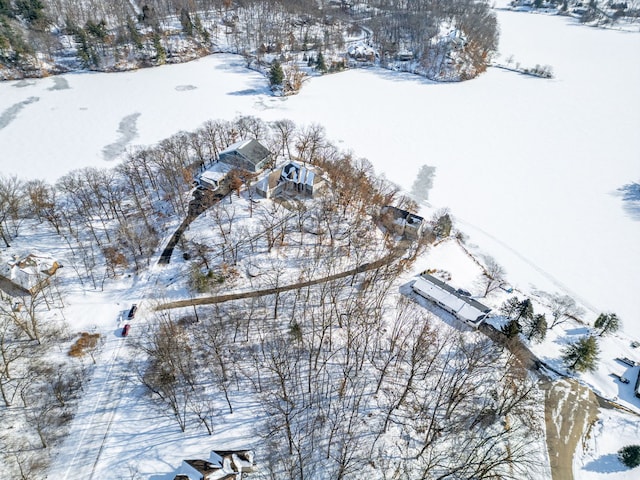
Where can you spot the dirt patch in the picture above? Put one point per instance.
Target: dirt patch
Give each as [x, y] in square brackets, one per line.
[570, 411]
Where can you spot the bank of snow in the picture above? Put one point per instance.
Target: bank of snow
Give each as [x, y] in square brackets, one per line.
[598, 459]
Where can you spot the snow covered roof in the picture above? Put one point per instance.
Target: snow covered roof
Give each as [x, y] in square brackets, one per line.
[222, 465]
[294, 172]
[360, 50]
[29, 271]
[209, 175]
[464, 308]
[236, 146]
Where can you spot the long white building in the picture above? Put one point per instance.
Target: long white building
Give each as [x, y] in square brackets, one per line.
[464, 308]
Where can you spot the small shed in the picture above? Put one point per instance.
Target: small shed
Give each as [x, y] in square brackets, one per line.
[214, 175]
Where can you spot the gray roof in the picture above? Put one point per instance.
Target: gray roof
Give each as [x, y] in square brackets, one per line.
[445, 286]
[398, 213]
[252, 150]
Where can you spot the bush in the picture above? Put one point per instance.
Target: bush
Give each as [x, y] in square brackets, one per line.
[630, 455]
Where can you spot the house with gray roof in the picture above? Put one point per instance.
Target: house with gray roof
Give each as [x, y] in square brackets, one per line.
[402, 222]
[248, 155]
[460, 305]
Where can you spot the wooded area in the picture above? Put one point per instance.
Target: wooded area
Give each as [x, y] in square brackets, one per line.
[448, 40]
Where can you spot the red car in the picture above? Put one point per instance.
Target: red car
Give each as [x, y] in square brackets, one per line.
[125, 330]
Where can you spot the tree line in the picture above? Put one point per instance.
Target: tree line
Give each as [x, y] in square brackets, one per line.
[122, 34]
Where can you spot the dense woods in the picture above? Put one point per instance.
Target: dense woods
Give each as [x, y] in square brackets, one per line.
[450, 40]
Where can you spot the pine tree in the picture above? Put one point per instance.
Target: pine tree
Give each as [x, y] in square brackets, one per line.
[320, 65]
[511, 329]
[510, 307]
[276, 74]
[582, 355]
[524, 310]
[537, 328]
[185, 21]
[161, 53]
[630, 455]
[443, 226]
[607, 323]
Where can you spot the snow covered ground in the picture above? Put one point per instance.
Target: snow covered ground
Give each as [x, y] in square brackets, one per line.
[598, 458]
[529, 167]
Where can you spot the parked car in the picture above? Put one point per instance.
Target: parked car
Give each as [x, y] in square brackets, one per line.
[132, 311]
[627, 361]
[125, 330]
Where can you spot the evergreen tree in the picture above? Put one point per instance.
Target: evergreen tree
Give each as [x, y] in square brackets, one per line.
[511, 329]
[537, 328]
[582, 355]
[197, 23]
[443, 226]
[524, 310]
[510, 307]
[5, 8]
[630, 455]
[161, 53]
[134, 34]
[320, 65]
[607, 323]
[32, 11]
[276, 74]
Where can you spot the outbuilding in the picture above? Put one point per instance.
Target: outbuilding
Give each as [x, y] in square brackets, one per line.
[464, 308]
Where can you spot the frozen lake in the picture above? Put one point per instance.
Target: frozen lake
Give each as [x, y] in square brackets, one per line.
[530, 168]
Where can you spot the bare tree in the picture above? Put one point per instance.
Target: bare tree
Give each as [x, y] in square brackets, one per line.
[563, 308]
[492, 277]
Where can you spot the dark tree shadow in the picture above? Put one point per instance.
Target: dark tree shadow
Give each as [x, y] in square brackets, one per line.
[630, 194]
[606, 464]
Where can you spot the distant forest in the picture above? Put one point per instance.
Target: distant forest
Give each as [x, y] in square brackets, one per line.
[445, 40]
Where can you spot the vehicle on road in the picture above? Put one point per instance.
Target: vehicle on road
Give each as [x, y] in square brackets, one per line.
[125, 330]
[132, 311]
[621, 378]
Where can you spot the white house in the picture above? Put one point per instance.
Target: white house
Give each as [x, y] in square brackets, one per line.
[222, 465]
[213, 175]
[462, 307]
[28, 274]
[292, 177]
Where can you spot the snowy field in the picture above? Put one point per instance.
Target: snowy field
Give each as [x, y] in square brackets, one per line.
[529, 167]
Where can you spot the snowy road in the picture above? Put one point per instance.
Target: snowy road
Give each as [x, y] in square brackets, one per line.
[79, 454]
[100, 400]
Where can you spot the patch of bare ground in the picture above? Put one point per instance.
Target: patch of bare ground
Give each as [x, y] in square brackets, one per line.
[570, 411]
